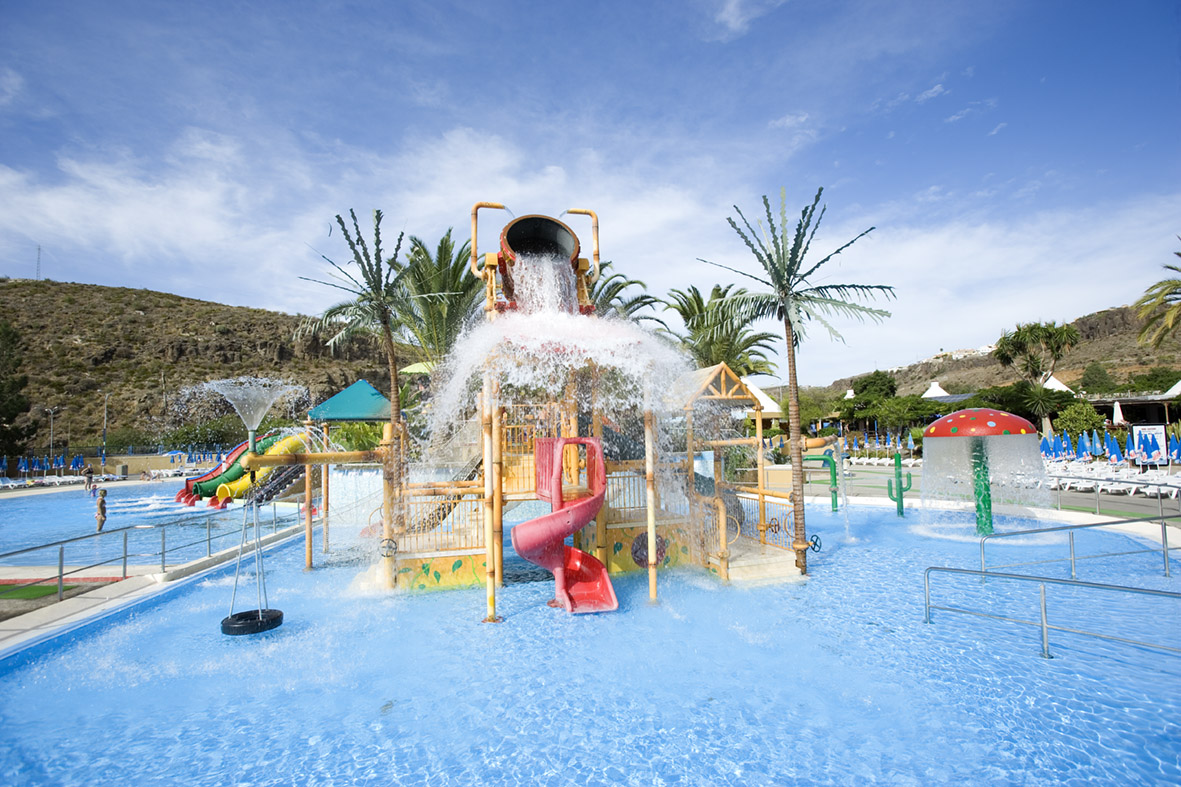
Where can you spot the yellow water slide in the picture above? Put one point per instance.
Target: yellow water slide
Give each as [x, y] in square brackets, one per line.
[294, 444]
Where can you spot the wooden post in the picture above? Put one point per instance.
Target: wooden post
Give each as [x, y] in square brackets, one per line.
[759, 464]
[489, 536]
[723, 547]
[498, 492]
[324, 468]
[650, 478]
[307, 508]
[720, 504]
[387, 575]
[601, 517]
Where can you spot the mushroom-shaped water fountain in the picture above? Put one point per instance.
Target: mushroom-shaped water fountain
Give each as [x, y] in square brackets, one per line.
[993, 448]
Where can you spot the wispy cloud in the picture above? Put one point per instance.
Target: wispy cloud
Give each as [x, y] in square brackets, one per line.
[997, 130]
[934, 92]
[11, 84]
[735, 16]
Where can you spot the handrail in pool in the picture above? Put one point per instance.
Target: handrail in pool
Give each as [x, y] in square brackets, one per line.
[163, 552]
[1044, 623]
[1164, 550]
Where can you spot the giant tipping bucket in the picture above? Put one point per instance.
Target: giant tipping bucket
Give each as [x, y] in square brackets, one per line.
[535, 236]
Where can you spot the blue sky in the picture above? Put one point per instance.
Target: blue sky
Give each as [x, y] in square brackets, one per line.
[1019, 160]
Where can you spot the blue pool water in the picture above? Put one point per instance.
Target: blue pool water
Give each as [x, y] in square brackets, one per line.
[33, 520]
[836, 680]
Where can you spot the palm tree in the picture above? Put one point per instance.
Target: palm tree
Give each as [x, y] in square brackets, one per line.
[1160, 307]
[711, 339]
[793, 299]
[440, 295]
[1034, 349]
[607, 294]
[377, 296]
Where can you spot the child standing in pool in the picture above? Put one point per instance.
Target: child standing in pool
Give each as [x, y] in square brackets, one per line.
[100, 513]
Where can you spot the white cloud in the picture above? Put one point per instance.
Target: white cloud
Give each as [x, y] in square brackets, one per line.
[11, 85]
[736, 15]
[927, 95]
[997, 130]
[790, 120]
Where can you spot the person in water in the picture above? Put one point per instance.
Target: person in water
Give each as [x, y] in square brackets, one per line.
[100, 513]
[88, 476]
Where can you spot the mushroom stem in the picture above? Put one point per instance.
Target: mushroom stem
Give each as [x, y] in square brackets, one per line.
[981, 487]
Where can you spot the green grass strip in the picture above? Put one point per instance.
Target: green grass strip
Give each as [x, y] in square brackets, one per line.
[31, 591]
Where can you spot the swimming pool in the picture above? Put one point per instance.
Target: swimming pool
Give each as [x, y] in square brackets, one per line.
[836, 680]
[32, 520]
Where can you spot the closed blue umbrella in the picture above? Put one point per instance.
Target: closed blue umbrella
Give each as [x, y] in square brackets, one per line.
[1096, 446]
[3, 464]
[1154, 450]
[1059, 449]
[1174, 448]
[910, 442]
[1130, 447]
[1084, 444]
[1047, 447]
[1113, 453]
[1067, 446]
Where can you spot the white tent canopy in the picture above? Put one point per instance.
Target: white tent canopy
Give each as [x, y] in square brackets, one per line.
[935, 390]
[1054, 384]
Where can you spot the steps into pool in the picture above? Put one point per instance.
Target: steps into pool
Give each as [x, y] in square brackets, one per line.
[755, 563]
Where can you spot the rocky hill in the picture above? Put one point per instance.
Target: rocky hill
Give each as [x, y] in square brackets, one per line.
[82, 341]
[1108, 337]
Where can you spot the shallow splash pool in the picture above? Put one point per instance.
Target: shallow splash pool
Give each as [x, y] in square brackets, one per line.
[836, 680]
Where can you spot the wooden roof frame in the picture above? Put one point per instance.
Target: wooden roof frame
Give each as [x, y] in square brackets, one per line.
[719, 383]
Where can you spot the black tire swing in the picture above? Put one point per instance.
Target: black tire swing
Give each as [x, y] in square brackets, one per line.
[252, 621]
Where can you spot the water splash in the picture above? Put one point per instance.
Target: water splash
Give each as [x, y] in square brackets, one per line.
[253, 397]
[1017, 474]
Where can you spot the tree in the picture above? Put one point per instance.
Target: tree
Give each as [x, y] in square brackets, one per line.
[1096, 379]
[712, 339]
[13, 403]
[378, 296]
[793, 300]
[440, 295]
[1160, 308]
[1158, 378]
[608, 293]
[867, 392]
[1034, 349]
[1078, 418]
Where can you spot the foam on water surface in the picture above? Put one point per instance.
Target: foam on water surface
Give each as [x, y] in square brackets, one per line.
[836, 680]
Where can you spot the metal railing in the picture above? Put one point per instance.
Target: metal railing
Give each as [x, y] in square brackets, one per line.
[125, 554]
[1097, 480]
[1043, 623]
[1069, 529]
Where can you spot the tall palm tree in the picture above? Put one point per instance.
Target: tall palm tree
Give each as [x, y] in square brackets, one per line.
[377, 295]
[1160, 307]
[610, 299]
[711, 339]
[440, 295]
[792, 298]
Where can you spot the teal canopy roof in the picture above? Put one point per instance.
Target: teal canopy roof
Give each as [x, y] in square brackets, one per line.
[359, 402]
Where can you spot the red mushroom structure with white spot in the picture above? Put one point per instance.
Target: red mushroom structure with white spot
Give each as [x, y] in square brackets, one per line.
[980, 426]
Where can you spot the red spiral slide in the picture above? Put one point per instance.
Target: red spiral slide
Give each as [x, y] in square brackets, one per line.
[581, 582]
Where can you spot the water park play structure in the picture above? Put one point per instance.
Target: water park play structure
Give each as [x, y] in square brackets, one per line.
[590, 414]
